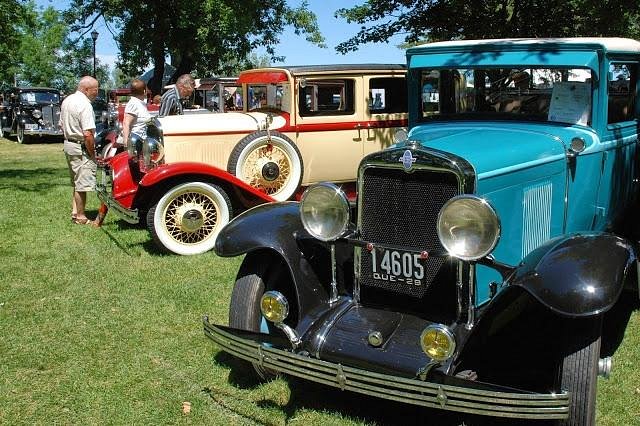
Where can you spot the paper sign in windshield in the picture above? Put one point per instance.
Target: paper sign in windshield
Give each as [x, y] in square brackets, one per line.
[570, 102]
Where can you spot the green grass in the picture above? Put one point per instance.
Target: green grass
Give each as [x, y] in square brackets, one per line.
[96, 327]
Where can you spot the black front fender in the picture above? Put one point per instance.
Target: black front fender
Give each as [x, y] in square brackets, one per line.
[277, 228]
[577, 275]
[271, 226]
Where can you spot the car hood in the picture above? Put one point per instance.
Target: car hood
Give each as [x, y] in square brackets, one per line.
[219, 122]
[495, 147]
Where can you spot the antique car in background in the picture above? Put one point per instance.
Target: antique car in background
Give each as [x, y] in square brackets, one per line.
[216, 94]
[487, 265]
[30, 111]
[294, 126]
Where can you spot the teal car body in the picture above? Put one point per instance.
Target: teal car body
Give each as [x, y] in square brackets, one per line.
[489, 264]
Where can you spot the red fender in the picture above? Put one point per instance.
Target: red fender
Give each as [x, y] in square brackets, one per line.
[166, 171]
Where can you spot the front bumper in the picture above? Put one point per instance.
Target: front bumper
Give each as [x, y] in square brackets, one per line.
[490, 400]
[43, 132]
[104, 187]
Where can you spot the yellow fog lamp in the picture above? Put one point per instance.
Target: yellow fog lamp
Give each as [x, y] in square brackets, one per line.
[438, 342]
[274, 306]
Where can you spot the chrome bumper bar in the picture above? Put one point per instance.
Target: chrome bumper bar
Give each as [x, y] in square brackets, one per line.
[104, 183]
[43, 132]
[496, 403]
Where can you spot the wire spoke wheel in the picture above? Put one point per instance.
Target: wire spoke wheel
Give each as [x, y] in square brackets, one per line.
[269, 162]
[268, 168]
[187, 219]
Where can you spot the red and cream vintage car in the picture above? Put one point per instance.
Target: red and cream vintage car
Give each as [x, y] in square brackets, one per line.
[292, 127]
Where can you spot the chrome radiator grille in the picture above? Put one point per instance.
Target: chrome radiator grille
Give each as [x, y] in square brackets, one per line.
[401, 209]
[50, 116]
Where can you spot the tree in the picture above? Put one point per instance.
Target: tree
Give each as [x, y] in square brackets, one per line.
[11, 16]
[37, 48]
[436, 20]
[207, 37]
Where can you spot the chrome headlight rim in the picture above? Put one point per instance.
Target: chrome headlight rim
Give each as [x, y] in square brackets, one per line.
[492, 215]
[342, 206]
[152, 152]
[134, 145]
[443, 329]
[36, 113]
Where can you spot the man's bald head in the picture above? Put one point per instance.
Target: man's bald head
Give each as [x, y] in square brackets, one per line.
[89, 86]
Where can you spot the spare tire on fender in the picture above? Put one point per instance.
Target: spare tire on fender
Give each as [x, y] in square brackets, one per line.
[269, 162]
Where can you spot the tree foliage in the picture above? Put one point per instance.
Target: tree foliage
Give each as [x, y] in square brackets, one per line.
[11, 15]
[37, 48]
[206, 37]
[437, 20]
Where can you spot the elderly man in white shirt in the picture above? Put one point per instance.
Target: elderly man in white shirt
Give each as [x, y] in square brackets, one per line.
[78, 125]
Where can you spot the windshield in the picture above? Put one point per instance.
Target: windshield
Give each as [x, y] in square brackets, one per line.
[40, 97]
[522, 93]
[268, 96]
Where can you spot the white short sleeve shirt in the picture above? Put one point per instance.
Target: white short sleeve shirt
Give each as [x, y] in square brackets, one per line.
[139, 110]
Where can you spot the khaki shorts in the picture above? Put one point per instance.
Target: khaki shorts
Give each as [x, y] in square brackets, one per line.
[82, 171]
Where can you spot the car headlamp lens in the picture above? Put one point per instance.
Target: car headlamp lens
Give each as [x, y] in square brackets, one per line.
[134, 145]
[152, 152]
[324, 210]
[438, 342]
[468, 227]
[37, 113]
[274, 306]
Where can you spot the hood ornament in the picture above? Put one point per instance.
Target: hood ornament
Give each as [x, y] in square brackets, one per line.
[407, 159]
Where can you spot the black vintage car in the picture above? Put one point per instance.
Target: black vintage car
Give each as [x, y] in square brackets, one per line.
[30, 111]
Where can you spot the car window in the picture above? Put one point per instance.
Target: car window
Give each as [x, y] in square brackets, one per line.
[621, 90]
[387, 95]
[326, 97]
[39, 97]
[523, 93]
[267, 96]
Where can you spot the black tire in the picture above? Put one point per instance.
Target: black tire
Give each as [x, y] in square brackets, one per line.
[579, 375]
[20, 136]
[244, 308]
[273, 167]
[187, 219]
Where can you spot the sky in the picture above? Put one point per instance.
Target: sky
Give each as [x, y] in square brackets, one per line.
[295, 48]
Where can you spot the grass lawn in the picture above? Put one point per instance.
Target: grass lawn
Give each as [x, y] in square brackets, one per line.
[97, 327]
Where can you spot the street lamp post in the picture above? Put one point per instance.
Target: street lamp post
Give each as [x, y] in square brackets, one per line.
[94, 36]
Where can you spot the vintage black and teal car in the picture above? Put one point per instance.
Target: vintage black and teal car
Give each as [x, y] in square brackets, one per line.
[28, 112]
[488, 262]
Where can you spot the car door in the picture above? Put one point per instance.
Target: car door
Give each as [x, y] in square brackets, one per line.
[619, 143]
[329, 128]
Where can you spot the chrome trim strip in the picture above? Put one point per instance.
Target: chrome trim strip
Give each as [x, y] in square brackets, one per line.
[471, 308]
[447, 397]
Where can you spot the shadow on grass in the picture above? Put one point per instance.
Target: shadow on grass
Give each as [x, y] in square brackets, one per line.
[33, 180]
[307, 395]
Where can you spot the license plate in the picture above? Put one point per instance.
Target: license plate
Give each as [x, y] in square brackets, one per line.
[397, 266]
[31, 126]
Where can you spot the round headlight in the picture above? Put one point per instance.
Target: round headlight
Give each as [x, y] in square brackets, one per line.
[438, 342]
[324, 210]
[274, 306]
[152, 152]
[468, 227]
[36, 113]
[134, 145]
